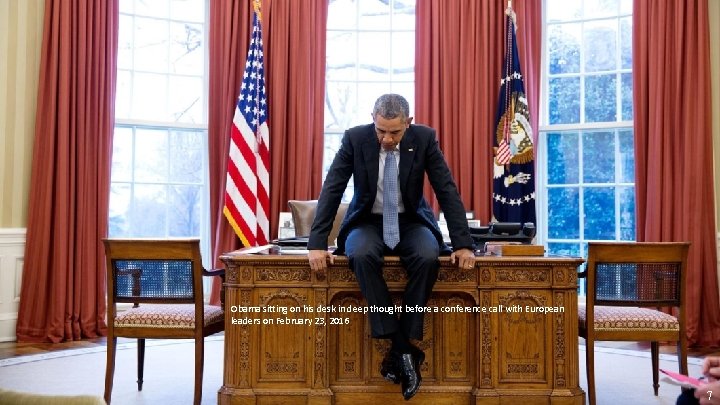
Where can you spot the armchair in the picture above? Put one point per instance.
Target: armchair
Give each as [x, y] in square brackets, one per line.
[162, 279]
[627, 284]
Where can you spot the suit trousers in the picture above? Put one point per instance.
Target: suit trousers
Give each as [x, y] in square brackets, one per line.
[687, 397]
[418, 251]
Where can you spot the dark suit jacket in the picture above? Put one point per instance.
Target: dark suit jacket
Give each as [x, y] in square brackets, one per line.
[359, 156]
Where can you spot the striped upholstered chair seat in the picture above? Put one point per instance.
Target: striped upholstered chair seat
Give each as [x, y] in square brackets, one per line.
[628, 319]
[167, 316]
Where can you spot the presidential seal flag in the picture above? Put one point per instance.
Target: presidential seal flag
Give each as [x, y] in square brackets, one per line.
[513, 165]
[247, 192]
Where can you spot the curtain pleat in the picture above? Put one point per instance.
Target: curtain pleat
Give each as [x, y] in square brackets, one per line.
[673, 147]
[62, 296]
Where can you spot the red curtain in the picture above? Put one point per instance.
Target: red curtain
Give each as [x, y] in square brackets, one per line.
[458, 62]
[673, 146]
[294, 46]
[63, 286]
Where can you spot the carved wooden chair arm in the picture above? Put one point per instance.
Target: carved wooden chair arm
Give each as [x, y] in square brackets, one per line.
[219, 273]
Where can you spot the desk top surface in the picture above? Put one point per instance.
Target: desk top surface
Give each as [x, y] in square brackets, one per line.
[272, 253]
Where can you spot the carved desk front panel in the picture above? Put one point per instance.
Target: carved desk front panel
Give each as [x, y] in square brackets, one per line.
[504, 332]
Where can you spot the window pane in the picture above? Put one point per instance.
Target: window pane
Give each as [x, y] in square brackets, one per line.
[126, 6]
[403, 17]
[340, 104]
[149, 101]
[563, 159]
[374, 14]
[626, 6]
[564, 48]
[599, 39]
[187, 52]
[122, 156]
[565, 249]
[626, 93]
[185, 213]
[187, 10]
[151, 45]
[600, 8]
[342, 15]
[563, 213]
[627, 213]
[600, 98]
[123, 94]
[151, 155]
[149, 216]
[125, 42]
[407, 89]
[627, 156]
[374, 55]
[186, 156]
[332, 145]
[599, 218]
[595, 169]
[367, 94]
[562, 10]
[626, 43]
[153, 8]
[403, 57]
[120, 196]
[564, 103]
[341, 56]
[186, 99]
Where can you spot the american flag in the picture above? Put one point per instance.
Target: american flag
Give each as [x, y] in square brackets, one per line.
[247, 193]
[513, 168]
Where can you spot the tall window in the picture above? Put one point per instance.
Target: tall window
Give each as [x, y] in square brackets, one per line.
[370, 51]
[159, 165]
[586, 166]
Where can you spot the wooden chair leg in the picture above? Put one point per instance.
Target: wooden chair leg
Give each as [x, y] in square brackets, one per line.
[141, 363]
[110, 367]
[590, 369]
[682, 353]
[655, 354]
[199, 362]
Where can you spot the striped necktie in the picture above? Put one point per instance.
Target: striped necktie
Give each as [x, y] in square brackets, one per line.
[391, 229]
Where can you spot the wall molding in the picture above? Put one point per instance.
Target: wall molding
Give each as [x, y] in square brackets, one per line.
[12, 259]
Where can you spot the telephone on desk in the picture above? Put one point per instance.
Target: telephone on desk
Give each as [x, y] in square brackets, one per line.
[503, 232]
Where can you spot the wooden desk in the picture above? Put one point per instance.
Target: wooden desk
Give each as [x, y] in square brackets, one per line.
[471, 357]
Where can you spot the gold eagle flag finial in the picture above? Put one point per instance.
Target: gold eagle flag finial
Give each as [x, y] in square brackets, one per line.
[256, 7]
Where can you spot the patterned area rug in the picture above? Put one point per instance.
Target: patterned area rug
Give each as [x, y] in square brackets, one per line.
[622, 376]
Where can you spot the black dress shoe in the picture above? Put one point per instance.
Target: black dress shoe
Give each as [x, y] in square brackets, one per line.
[389, 367]
[419, 357]
[410, 378]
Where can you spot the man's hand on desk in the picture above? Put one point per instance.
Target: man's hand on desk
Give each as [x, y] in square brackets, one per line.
[318, 259]
[465, 258]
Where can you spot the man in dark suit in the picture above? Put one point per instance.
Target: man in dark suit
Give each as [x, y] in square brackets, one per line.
[389, 215]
